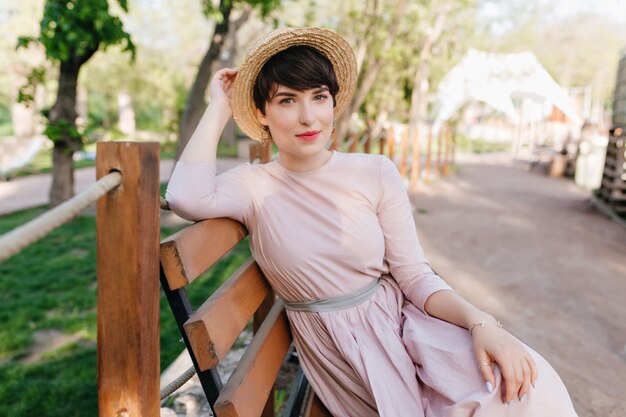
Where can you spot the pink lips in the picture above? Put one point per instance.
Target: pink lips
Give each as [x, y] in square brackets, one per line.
[309, 136]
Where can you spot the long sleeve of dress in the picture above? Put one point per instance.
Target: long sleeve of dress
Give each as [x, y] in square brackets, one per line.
[403, 252]
[195, 192]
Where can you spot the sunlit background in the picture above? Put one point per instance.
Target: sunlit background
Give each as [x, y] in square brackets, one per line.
[505, 118]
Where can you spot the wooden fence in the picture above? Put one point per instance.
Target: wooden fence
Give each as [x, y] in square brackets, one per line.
[127, 225]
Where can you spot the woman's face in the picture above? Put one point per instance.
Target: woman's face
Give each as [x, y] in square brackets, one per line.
[300, 122]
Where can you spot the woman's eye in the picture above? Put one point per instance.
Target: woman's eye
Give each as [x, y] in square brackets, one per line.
[286, 101]
[320, 97]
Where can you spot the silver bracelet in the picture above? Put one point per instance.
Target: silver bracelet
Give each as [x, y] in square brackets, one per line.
[482, 324]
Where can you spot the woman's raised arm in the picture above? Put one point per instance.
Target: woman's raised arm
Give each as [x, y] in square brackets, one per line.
[194, 191]
[202, 146]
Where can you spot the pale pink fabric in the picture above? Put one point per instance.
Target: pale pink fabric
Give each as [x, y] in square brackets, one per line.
[333, 230]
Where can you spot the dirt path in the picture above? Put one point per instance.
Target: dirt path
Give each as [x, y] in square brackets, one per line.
[533, 252]
[32, 191]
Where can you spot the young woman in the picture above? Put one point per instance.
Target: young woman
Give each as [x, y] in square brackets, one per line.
[378, 332]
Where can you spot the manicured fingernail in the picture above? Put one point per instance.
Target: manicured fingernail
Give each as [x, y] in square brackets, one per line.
[489, 386]
[523, 398]
[510, 403]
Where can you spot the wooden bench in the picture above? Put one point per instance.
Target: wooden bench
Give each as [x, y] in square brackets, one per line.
[210, 331]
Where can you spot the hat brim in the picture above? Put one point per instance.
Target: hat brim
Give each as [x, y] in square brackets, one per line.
[333, 46]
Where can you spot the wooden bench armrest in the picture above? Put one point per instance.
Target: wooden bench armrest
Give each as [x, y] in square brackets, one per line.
[188, 253]
[248, 388]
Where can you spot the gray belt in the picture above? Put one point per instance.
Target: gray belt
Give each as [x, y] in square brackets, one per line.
[340, 302]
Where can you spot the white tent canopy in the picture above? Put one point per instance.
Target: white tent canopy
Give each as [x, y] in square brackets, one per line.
[15, 153]
[495, 79]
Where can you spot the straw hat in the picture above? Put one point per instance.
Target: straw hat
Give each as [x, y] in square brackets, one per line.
[331, 45]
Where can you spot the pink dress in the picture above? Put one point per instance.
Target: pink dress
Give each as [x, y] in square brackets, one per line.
[334, 230]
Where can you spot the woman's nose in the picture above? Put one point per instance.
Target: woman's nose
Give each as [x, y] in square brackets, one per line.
[307, 116]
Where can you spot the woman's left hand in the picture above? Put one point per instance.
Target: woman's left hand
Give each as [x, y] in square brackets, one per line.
[494, 344]
[221, 89]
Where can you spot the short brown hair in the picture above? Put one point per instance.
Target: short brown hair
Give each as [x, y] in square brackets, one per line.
[299, 67]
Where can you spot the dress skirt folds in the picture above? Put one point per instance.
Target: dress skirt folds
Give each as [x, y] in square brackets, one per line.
[387, 358]
[330, 232]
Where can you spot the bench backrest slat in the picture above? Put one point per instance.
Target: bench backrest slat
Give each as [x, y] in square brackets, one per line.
[249, 387]
[187, 254]
[215, 326]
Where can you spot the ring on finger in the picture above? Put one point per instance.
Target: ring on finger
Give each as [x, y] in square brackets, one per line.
[485, 364]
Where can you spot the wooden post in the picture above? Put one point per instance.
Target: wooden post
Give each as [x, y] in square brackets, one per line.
[261, 152]
[127, 225]
[391, 143]
[439, 135]
[382, 141]
[367, 145]
[333, 141]
[453, 143]
[405, 150]
[446, 140]
[415, 164]
[354, 143]
[428, 147]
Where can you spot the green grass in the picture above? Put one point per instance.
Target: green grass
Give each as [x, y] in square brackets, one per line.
[42, 162]
[6, 129]
[52, 285]
[168, 150]
[479, 145]
[463, 144]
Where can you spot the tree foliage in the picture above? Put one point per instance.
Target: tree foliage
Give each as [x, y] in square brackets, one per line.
[577, 50]
[71, 32]
[225, 24]
[396, 55]
[76, 29]
[213, 12]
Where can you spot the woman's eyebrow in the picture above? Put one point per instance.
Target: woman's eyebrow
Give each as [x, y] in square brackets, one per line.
[285, 94]
[290, 94]
[321, 89]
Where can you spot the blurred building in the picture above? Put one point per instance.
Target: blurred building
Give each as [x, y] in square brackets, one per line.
[508, 97]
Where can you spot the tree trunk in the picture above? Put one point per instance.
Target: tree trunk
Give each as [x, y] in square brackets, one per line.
[62, 173]
[368, 74]
[229, 137]
[419, 97]
[64, 111]
[195, 106]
